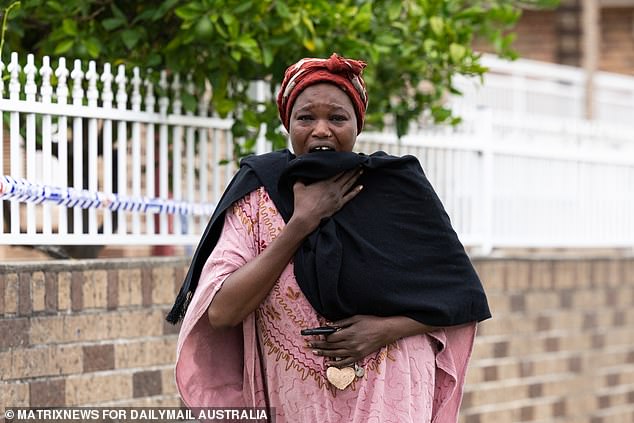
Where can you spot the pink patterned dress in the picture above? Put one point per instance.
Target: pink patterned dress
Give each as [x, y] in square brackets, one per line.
[416, 379]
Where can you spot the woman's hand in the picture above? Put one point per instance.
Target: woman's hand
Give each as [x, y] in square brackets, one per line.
[361, 335]
[322, 199]
[245, 289]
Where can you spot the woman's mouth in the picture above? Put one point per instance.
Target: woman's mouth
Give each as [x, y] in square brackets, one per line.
[320, 148]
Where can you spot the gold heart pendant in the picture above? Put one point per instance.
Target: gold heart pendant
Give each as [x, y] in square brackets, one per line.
[340, 378]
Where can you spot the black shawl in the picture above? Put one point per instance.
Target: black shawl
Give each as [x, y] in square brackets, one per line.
[390, 251]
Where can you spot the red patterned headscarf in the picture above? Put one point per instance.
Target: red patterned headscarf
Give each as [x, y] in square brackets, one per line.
[339, 71]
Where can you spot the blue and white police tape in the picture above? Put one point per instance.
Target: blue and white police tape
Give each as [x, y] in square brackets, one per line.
[24, 191]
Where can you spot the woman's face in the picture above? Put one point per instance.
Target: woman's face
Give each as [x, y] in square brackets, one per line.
[323, 118]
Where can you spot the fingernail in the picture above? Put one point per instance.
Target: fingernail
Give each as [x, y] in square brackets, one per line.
[315, 352]
[360, 187]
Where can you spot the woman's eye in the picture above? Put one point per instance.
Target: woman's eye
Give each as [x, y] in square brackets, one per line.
[304, 117]
[338, 118]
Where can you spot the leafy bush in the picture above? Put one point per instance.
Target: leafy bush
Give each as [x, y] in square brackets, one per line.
[414, 48]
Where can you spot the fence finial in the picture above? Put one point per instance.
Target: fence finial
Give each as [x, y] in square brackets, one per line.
[92, 93]
[176, 100]
[150, 100]
[190, 88]
[77, 76]
[106, 93]
[61, 73]
[30, 89]
[46, 90]
[120, 80]
[204, 100]
[14, 81]
[135, 99]
[163, 100]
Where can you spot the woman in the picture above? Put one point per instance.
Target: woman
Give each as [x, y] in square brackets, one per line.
[357, 244]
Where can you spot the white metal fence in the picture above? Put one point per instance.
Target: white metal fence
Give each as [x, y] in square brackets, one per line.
[528, 87]
[502, 192]
[140, 170]
[523, 171]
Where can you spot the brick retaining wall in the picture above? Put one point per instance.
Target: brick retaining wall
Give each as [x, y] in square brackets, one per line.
[559, 349]
[88, 332]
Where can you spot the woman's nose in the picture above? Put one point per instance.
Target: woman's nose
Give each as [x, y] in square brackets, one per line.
[322, 130]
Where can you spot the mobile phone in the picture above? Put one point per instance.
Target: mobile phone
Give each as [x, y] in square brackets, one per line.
[322, 330]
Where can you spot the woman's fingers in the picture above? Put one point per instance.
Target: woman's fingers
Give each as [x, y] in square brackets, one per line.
[332, 353]
[319, 200]
[337, 357]
[326, 345]
[353, 193]
[336, 348]
[347, 185]
[349, 178]
[357, 337]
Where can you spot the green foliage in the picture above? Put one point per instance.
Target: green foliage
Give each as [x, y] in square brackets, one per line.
[414, 48]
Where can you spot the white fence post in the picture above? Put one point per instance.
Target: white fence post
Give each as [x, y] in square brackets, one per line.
[203, 156]
[485, 135]
[30, 89]
[150, 171]
[189, 151]
[16, 154]
[77, 75]
[177, 149]
[106, 99]
[62, 140]
[122, 148]
[46, 92]
[260, 96]
[163, 157]
[135, 102]
[92, 95]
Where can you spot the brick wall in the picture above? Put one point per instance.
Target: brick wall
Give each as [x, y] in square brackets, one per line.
[550, 36]
[537, 36]
[617, 40]
[559, 349]
[88, 332]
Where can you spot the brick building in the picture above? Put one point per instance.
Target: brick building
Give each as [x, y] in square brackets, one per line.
[557, 35]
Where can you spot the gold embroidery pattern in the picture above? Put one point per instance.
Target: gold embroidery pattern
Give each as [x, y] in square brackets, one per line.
[267, 215]
[244, 218]
[281, 353]
[291, 294]
[271, 312]
[287, 308]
